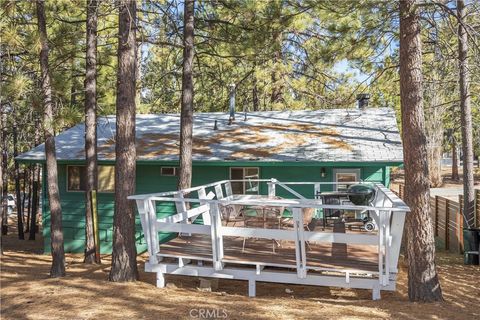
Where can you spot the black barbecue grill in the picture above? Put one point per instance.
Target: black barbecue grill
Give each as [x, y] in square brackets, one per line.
[358, 194]
[361, 194]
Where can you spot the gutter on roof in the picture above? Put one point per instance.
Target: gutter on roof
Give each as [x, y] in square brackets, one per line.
[227, 163]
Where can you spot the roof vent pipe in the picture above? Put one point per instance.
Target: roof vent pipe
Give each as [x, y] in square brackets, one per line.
[362, 100]
[232, 102]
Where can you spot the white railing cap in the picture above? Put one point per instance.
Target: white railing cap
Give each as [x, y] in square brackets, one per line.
[171, 196]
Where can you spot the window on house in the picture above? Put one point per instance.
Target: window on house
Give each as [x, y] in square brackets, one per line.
[345, 177]
[169, 171]
[77, 178]
[245, 187]
[106, 178]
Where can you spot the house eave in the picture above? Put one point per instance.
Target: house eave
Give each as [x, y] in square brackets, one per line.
[237, 162]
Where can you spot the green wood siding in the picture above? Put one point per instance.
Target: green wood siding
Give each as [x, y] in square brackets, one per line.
[150, 180]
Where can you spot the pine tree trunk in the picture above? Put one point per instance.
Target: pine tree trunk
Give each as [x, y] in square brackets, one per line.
[124, 264]
[466, 116]
[35, 189]
[423, 284]
[455, 176]
[186, 117]
[28, 181]
[18, 193]
[56, 231]
[434, 130]
[435, 164]
[255, 93]
[4, 176]
[1, 204]
[35, 186]
[277, 81]
[73, 89]
[91, 129]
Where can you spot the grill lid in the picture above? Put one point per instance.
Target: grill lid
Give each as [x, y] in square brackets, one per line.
[361, 194]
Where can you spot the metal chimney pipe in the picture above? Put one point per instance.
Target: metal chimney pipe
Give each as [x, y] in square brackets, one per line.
[362, 100]
[232, 101]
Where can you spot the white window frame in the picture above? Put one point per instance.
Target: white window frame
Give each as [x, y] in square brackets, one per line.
[67, 175]
[351, 171]
[175, 171]
[244, 175]
[81, 165]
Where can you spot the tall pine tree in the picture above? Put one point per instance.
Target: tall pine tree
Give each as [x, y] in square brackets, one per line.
[91, 130]
[56, 231]
[124, 255]
[186, 116]
[423, 284]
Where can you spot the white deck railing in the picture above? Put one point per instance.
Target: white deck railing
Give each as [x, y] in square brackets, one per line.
[387, 210]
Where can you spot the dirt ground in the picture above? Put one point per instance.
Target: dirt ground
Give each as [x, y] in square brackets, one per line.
[28, 293]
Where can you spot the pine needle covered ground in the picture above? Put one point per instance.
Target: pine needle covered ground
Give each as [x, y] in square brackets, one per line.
[28, 293]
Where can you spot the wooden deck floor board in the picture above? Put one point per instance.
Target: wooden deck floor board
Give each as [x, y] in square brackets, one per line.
[259, 251]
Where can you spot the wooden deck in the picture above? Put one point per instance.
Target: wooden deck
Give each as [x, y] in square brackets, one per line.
[340, 254]
[320, 256]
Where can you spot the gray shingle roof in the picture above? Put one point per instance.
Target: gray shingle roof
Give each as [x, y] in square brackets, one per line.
[349, 135]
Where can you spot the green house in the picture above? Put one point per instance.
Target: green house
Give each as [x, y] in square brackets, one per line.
[334, 145]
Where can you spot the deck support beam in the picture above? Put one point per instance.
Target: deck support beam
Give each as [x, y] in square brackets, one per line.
[376, 293]
[160, 280]
[251, 288]
[268, 276]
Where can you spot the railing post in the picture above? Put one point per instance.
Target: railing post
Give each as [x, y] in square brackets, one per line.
[219, 191]
[228, 189]
[151, 221]
[380, 246]
[271, 189]
[202, 194]
[181, 206]
[387, 246]
[397, 226]
[300, 253]
[143, 212]
[316, 190]
[216, 236]
[447, 224]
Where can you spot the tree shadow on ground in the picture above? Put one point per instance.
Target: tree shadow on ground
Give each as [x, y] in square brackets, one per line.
[85, 293]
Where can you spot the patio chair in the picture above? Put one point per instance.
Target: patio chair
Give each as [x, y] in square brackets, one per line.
[308, 214]
[262, 217]
[331, 214]
[231, 213]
